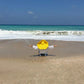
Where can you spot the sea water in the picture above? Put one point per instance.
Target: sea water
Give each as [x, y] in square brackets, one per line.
[47, 32]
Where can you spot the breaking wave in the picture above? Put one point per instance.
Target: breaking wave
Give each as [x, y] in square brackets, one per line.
[38, 34]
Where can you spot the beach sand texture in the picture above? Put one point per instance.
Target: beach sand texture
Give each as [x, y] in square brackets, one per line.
[19, 64]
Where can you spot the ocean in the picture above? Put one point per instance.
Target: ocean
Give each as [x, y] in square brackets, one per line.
[47, 32]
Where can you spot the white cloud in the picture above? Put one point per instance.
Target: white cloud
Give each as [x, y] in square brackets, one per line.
[30, 12]
[33, 15]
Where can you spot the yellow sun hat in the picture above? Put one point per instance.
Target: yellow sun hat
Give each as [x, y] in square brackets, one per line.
[43, 44]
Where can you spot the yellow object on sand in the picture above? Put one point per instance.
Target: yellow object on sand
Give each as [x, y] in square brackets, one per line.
[43, 44]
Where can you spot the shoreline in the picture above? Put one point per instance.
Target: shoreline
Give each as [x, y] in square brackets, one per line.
[40, 39]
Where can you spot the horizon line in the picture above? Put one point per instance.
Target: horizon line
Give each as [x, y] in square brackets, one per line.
[44, 24]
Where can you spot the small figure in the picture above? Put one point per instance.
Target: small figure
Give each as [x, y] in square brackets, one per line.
[42, 47]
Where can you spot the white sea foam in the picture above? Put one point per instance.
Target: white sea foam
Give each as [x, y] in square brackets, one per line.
[49, 35]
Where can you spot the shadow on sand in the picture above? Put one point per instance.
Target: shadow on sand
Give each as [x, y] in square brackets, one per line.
[42, 55]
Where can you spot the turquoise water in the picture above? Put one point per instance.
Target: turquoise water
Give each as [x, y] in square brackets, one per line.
[44, 28]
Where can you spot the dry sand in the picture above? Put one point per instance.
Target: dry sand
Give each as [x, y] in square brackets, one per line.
[19, 64]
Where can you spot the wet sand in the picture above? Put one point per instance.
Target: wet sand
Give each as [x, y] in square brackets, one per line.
[20, 64]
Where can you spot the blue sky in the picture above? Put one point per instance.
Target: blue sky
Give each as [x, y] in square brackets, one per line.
[44, 12]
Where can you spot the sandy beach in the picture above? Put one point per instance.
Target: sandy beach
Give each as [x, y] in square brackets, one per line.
[20, 64]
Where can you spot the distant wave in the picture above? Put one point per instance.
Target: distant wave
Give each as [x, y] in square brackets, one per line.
[38, 34]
